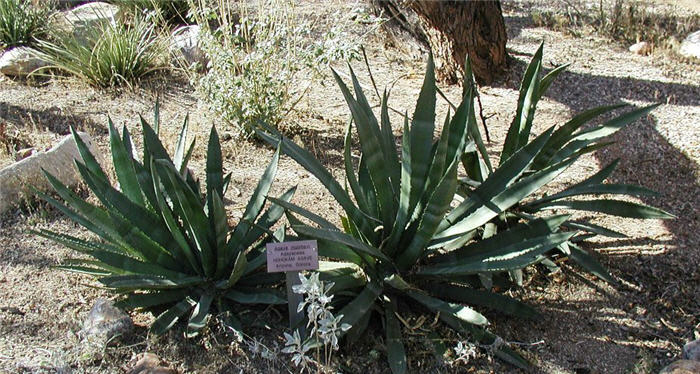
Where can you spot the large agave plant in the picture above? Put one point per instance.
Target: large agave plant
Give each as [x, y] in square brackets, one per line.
[510, 194]
[163, 244]
[400, 203]
[416, 234]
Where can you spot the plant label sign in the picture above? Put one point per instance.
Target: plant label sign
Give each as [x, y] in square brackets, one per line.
[292, 256]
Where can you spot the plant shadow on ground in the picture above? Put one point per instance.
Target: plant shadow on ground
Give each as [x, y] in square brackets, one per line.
[52, 119]
[665, 278]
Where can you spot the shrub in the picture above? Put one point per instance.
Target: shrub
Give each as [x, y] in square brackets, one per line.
[255, 55]
[165, 245]
[409, 238]
[107, 56]
[175, 11]
[22, 22]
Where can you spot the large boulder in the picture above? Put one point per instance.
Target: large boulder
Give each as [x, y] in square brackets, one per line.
[86, 18]
[16, 179]
[20, 62]
[690, 47]
[185, 46]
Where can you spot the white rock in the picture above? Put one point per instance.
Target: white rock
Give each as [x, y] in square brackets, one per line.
[185, 45]
[87, 17]
[691, 351]
[16, 179]
[690, 47]
[20, 61]
[641, 48]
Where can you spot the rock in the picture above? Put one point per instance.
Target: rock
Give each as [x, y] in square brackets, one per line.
[106, 321]
[16, 179]
[149, 363]
[682, 367]
[690, 47]
[20, 62]
[641, 48]
[86, 18]
[185, 45]
[691, 351]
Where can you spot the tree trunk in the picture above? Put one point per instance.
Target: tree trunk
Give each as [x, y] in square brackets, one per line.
[454, 29]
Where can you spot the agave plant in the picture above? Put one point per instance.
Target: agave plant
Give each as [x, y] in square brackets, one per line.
[416, 234]
[164, 244]
[400, 203]
[518, 201]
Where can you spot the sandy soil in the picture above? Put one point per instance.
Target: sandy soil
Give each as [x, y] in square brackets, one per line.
[586, 326]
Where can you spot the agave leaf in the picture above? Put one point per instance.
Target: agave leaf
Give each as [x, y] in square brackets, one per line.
[183, 249]
[562, 135]
[124, 167]
[364, 179]
[372, 150]
[341, 238]
[257, 296]
[191, 212]
[128, 144]
[588, 262]
[536, 228]
[547, 80]
[200, 315]
[87, 270]
[501, 303]
[390, 144]
[396, 353]
[268, 218]
[145, 281]
[168, 318]
[511, 256]
[350, 172]
[461, 312]
[311, 164]
[130, 265]
[151, 299]
[519, 129]
[589, 227]
[361, 305]
[599, 177]
[218, 223]
[87, 156]
[180, 151]
[612, 207]
[404, 209]
[315, 218]
[215, 175]
[434, 212]
[594, 189]
[344, 275]
[239, 266]
[254, 207]
[77, 244]
[493, 195]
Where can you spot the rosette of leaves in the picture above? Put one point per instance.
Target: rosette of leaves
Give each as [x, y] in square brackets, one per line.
[164, 243]
[400, 201]
[511, 192]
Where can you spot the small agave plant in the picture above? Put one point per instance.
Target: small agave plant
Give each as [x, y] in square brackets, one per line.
[164, 244]
[417, 237]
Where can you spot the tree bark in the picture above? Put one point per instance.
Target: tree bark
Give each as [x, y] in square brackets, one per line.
[454, 29]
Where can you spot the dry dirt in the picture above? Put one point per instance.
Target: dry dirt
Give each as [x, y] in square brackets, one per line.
[586, 326]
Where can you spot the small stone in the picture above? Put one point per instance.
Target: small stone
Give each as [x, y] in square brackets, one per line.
[641, 48]
[690, 47]
[149, 363]
[682, 367]
[106, 321]
[691, 351]
[186, 45]
[20, 62]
